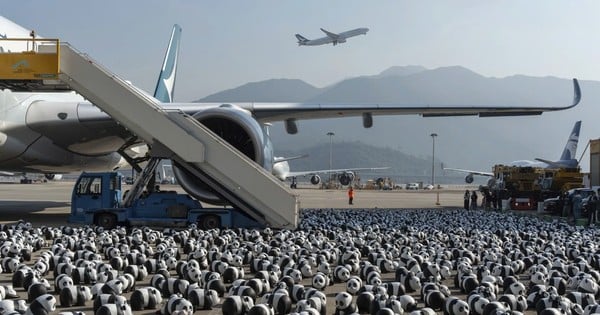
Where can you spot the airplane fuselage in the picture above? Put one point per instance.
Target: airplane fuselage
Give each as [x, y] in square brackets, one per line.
[32, 139]
[332, 38]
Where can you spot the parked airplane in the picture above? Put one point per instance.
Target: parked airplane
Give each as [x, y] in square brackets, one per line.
[331, 38]
[59, 131]
[281, 170]
[567, 158]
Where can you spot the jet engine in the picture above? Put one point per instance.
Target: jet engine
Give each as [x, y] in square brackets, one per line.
[315, 179]
[52, 176]
[239, 129]
[346, 178]
[469, 179]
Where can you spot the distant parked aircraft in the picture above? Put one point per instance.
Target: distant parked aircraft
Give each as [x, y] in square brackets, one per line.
[567, 158]
[281, 170]
[332, 38]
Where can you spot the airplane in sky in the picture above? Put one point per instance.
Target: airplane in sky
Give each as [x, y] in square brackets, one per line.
[331, 38]
[281, 170]
[567, 158]
[58, 131]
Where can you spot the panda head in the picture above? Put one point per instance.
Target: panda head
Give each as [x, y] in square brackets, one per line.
[343, 300]
[47, 302]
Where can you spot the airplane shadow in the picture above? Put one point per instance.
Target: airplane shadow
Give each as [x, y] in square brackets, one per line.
[38, 212]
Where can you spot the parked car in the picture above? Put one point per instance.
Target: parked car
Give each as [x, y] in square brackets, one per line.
[553, 205]
[428, 187]
[412, 186]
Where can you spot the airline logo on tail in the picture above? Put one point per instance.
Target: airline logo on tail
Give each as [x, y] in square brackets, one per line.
[571, 147]
[568, 158]
[165, 87]
[301, 39]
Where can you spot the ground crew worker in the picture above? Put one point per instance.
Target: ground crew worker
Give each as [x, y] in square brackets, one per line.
[591, 208]
[473, 200]
[350, 195]
[467, 198]
[576, 204]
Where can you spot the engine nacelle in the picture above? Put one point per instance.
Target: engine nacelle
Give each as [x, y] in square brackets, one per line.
[469, 179]
[315, 179]
[51, 176]
[239, 129]
[346, 178]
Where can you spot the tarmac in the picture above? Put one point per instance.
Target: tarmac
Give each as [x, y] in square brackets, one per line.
[49, 203]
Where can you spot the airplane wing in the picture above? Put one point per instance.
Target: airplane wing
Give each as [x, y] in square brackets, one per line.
[480, 173]
[331, 35]
[341, 170]
[272, 112]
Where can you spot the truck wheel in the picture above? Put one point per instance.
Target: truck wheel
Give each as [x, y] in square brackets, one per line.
[209, 221]
[106, 220]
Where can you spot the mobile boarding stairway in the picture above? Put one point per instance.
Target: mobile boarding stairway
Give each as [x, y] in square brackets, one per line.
[243, 183]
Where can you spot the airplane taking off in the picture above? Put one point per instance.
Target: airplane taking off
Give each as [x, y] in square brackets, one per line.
[281, 170]
[58, 131]
[567, 158]
[331, 38]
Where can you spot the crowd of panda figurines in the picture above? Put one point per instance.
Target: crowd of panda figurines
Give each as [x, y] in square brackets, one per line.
[341, 262]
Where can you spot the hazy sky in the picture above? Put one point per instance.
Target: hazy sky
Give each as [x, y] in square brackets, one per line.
[229, 43]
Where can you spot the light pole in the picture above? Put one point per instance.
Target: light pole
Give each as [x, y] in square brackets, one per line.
[437, 200]
[433, 135]
[330, 134]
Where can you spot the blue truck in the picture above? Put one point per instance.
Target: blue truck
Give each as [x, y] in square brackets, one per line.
[97, 199]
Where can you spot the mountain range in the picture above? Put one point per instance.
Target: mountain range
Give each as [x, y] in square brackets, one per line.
[463, 142]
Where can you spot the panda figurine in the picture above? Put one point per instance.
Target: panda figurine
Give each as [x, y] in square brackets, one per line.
[42, 305]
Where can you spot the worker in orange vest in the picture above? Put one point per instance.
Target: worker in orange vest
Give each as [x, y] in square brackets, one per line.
[350, 195]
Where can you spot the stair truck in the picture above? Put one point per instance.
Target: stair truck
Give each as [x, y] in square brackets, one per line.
[97, 199]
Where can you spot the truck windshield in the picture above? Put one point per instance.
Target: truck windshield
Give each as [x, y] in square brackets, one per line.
[89, 186]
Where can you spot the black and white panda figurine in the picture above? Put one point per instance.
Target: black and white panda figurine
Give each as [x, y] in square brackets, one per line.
[394, 288]
[344, 304]
[261, 309]
[75, 296]
[280, 302]
[84, 275]
[353, 285]
[139, 272]
[237, 305]
[114, 309]
[42, 305]
[105, 299]
[8, 306]
[320, 281]
[145, 298]
[203, 299]
[423, 311]
[477, 303]
[62, 281]
[177, 305]
[455, 306]
[515, 302]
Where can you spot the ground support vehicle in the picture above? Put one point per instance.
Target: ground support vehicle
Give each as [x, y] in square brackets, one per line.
[98, 199]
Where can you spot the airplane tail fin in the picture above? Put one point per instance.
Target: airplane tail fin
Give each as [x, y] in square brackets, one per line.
[570, 149]
[568, 158]
[165, 87]
[301, 39]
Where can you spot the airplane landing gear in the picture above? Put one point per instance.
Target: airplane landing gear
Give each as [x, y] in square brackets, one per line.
[294, 183]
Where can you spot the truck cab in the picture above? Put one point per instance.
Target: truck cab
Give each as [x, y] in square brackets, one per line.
[97, 199]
